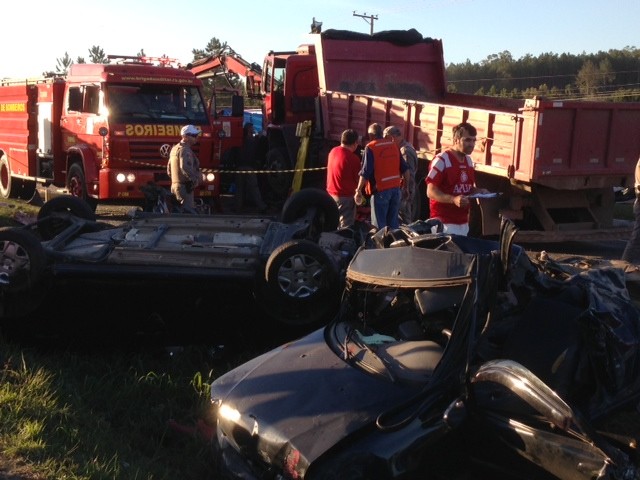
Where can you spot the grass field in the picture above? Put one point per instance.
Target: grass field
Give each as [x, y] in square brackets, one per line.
[103, 415]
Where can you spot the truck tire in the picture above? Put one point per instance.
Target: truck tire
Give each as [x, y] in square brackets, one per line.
[77, 185]
[315, 201]
[50, 225]
[8, 184]
[28, 189]
[279, 182]
[22, 259]
[301, 284]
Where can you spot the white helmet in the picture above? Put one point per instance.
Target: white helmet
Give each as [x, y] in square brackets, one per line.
[189, 130]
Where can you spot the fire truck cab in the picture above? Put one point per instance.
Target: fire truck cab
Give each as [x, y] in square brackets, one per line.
[103, 131]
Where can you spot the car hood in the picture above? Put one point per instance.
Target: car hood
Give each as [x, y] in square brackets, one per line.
[301, 398]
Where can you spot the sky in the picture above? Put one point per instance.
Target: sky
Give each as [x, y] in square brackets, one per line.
[36, 34]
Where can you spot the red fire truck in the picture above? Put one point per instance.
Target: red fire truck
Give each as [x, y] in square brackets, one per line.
[103, 131]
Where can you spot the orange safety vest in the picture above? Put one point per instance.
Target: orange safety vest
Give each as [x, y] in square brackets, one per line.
[386, 165]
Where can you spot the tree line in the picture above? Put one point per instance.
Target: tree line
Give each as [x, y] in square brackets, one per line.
[606, 76]
[213, 48]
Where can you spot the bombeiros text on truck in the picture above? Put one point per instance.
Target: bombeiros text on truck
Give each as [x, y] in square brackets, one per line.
[102, 131]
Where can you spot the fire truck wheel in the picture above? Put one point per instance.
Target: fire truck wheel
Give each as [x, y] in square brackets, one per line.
[77, 185]
[8, 184]
[22, 260]
[301, 283]
[50, 224]
[314, 201]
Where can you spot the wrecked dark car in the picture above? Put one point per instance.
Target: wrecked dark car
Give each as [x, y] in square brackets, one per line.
[293, 264]
[450, 357]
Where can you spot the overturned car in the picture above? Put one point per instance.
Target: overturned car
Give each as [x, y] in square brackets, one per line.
[450, 357]
[293, 264]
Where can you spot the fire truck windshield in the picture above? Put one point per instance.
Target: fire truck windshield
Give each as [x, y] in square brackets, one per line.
[151, 103]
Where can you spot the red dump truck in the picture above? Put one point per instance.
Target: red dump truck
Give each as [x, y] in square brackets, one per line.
[556, 163]
[103, 131]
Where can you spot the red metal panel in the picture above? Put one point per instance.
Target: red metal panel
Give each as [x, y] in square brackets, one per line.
[359, 115]
[586, 139]
[16, 107]
[503, 142]
[335, 109]
[397, 115]
[452, 115]
[381, 68]
[483, 121]
[429, 122]
[378, 111]
[624, 142]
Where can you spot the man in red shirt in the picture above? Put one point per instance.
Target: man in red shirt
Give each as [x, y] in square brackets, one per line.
[343, 166]
[452, 179]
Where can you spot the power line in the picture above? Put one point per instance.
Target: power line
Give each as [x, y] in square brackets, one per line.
[367, 18]
[508, 79]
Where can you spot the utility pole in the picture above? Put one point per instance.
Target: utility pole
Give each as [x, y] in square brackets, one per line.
[367, 18]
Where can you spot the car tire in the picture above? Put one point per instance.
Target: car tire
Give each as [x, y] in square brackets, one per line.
[326, 216]
[300, 284]
[50, 225]
[22, 260]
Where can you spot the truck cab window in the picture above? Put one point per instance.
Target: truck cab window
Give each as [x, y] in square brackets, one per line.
[74, 103]
[278, 78]
[84, 99]
[91, 99]
[266, 80]
[278, 93]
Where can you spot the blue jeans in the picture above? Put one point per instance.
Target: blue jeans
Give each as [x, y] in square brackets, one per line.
[385, 208]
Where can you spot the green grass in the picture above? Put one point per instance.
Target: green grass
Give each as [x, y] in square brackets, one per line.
[96, 416]
[14, 212]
